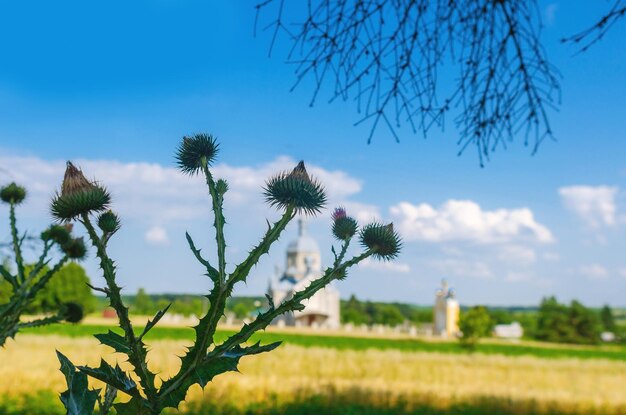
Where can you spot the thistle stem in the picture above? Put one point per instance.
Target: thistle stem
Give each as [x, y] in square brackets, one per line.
[41, 262]
[44, 279]
[263, 320]
[216, 310]
[344, 249]
[7, 275]
[137, 354]
[273, 233]
[218, 223]
[41, 322]
[17, 248]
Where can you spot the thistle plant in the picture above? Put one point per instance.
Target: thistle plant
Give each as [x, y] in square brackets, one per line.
[292, 192]
[28, 279]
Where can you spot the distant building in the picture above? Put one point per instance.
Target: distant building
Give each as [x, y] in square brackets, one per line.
[109, 312]
[303, 265]
[508, 331]
[446, 312]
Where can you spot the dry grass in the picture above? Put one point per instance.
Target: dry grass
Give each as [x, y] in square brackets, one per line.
[29, 365]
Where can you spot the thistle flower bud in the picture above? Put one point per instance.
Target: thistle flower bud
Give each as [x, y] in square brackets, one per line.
[382, 240]
[196, 152]
[75, 248]
[72, 312]
[74, 181]
[344, 227]
[78, 196]
[109, 222]
[339, 213]
[295, 189]
[57, 233]
[12, 193]
[221, 186]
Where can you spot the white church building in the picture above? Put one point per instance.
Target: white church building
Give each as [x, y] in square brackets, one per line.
[303, 265]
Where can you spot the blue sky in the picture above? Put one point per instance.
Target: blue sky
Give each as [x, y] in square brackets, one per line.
[115, 85]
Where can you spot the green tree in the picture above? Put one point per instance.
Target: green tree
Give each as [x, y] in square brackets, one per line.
[553, 322]
[608, 320]
[241, 311]
[389, 315]
[143, 303]
[421, 315]
[475, 323]
[499, 316]
[186, 306]
[352, 311]
[70, 284]
[586, 324]
[574, 324]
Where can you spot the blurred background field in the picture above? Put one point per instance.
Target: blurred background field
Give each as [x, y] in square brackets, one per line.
[339, 374]
[383, 360]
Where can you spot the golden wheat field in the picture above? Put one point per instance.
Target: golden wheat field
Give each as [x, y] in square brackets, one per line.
[29, 365]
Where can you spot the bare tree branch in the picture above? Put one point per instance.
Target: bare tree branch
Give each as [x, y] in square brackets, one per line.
[391, 56]
[595, 33]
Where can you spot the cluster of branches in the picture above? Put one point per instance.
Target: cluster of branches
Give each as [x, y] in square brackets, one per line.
[388, 55]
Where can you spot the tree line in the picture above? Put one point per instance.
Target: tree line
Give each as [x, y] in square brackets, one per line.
[552, 322]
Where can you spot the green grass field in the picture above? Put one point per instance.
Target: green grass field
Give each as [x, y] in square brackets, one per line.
[48, 404]
[361, 343]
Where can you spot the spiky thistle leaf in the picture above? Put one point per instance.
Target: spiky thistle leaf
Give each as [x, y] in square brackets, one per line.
[112, 375]
[78, 399]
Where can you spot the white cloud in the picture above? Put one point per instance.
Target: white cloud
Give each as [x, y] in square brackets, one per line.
[622, 272]
[464, 220]
[157, 235]
[155, 194]
[594, 271]
[463, 268]
[363, 213]
[595, 205]
[517, 253]
[243, 180]
[383, 266]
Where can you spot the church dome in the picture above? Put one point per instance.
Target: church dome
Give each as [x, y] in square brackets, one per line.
[304, 242]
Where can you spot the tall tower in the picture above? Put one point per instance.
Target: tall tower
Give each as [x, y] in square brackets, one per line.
[303, 255]
[446, 312]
